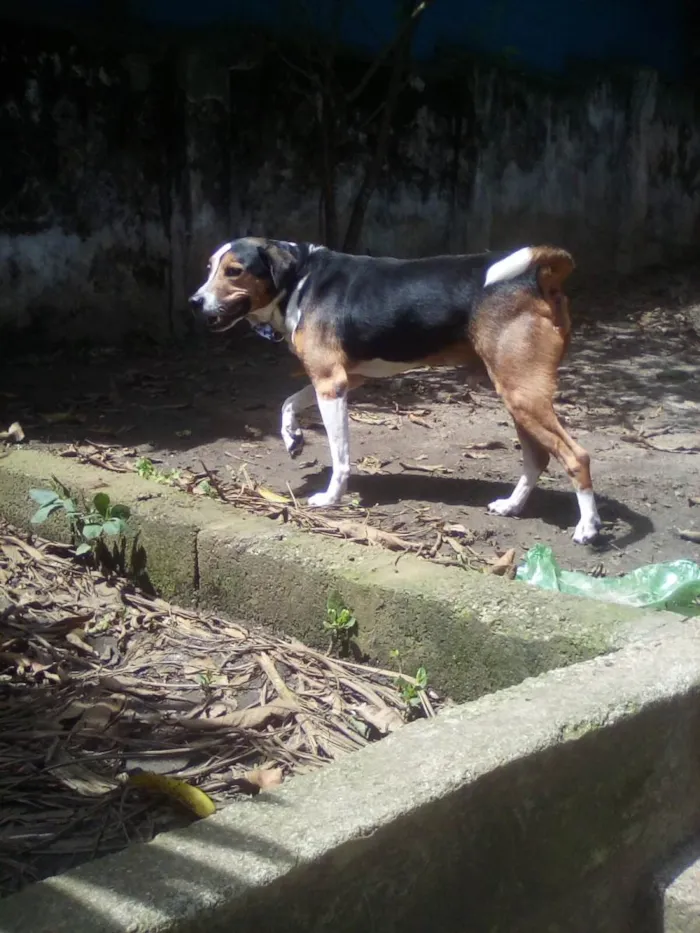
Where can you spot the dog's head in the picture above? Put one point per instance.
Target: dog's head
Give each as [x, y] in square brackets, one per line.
[247, 277]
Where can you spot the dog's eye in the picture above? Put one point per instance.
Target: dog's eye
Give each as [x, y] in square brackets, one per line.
[233, 271]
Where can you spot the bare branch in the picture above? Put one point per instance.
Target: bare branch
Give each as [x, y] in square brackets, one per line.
[405, 30]
[310, 76]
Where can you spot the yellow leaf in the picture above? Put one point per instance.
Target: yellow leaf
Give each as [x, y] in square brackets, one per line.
[272, 496]
[192, 797]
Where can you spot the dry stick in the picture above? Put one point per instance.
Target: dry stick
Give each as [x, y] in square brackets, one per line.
[266, 663]
[336, 662]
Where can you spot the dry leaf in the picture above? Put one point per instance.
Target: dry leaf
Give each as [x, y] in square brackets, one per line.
[75, 638]
[79, 778]
[130, 685]
[461, 530]
[474, 456]
[415, 419]
[253, 718]
[503, 566]
[365, 418]
[94, 716]
[689, 535]
[252, 782]
[368, 534]
[273, 675]
[694, 500]
[371, 465]
[456, 547]
[14, 433]
[426, 467]
[488, 445]
[384, 719]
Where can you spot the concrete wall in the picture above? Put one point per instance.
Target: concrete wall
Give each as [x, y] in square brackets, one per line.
[609, 168]
[100, 186]
[123, 169]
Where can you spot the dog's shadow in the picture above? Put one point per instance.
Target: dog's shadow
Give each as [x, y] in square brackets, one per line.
[554, 507]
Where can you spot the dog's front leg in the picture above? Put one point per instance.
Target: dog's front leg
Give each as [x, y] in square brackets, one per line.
[292, 434]
[334, 412]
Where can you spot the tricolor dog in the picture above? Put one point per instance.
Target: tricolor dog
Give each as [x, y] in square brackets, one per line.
[349, 318]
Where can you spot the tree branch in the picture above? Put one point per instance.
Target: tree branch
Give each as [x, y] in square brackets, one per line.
[398, 39]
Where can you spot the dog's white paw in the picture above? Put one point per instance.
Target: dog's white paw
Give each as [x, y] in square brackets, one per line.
[293, 441]
[504, 507]
[587, 530]
[323, 500]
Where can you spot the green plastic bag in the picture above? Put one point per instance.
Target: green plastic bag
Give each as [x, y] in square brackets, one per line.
[673, 585]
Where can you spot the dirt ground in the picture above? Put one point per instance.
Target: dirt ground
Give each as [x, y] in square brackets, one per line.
[428, 452]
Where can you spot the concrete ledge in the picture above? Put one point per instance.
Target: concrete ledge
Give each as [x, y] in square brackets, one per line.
[474, 633]
[675, 906]
[682, 902]
[545, 807]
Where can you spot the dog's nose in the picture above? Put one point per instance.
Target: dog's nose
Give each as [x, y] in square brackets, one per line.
[196, 301]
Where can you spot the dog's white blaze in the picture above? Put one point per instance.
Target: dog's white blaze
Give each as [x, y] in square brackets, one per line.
[216, 260]
[334, 413]
[510, 267]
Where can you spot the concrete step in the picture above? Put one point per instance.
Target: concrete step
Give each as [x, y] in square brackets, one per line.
[681, 901]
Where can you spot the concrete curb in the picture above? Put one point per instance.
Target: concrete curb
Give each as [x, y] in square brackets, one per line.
[474, 633]
[547, 806]
[682, 902]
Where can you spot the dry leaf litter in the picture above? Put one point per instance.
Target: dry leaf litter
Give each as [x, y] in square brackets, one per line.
[102, 684]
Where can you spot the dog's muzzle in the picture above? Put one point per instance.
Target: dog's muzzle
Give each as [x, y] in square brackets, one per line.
[219, 317]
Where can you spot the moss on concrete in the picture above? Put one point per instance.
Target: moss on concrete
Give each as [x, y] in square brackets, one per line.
[474, 633]
[161, 545]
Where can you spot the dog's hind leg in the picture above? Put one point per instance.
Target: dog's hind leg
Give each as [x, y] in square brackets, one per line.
[535, 460]
[523, 363]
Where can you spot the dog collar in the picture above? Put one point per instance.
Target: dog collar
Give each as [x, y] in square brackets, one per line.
[266, 331]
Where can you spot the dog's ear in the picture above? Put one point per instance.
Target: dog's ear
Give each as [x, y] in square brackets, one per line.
[279, 262]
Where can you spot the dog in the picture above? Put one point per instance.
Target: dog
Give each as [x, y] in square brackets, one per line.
[349, 318]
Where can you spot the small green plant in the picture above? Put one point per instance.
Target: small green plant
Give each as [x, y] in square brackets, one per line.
[205, 488]
[88, 525]
[147, 469]
[340, 623]
[410, 691]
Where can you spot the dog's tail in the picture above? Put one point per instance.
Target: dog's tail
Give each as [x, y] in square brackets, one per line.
[553, 266]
